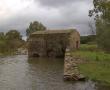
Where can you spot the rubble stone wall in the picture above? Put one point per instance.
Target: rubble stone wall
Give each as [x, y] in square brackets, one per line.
[71, 71]
[52, 44]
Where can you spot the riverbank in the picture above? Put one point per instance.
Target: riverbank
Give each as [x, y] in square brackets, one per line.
[7, 54]
[19, 51]
[96, 64]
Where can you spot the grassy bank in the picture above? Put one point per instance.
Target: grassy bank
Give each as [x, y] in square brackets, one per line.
[96, 64]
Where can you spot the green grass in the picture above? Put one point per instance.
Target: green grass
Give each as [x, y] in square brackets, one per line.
[85, 47]
[96, 71]
[96, 64]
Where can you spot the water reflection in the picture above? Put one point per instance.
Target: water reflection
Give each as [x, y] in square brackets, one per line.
[21, 73]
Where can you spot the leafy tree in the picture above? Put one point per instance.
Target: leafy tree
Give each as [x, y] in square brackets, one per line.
[2, 42]
[13, 34]
[10, 41]
[14, 39]
[2, 35]
[35, 26]
[101, 12]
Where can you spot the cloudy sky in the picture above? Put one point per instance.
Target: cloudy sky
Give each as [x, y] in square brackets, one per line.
[54, 14]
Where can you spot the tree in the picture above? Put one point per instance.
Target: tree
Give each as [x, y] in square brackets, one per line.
[35, 26]
[92, 28]
[10, 41]
[101, 12]
[14, 39]
[3, 44]
[2, 35]
[13, 34]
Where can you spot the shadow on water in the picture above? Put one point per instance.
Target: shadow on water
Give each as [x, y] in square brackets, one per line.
[21, 73]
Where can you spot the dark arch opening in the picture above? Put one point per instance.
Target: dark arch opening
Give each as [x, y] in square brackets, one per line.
[35, 55]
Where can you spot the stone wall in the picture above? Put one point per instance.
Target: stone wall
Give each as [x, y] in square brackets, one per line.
[51, 44]
[48, 45]
[71, 71]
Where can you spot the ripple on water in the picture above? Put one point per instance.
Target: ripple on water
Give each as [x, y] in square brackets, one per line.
[21, 73]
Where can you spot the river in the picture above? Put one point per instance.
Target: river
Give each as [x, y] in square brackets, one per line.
[20, 73]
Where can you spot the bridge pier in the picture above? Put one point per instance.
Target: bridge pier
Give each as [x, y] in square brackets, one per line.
[71, 71]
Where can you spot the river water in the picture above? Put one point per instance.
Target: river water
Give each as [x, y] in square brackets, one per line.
[20, 73]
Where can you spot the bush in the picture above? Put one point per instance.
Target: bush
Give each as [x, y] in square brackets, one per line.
[88, 39]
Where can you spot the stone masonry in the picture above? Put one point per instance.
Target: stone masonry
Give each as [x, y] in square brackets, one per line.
[71, 71]
[52, 43]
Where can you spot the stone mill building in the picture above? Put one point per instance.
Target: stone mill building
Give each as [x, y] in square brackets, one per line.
[52, 43]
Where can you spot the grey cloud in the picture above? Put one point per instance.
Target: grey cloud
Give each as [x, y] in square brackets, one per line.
[16, 22]
[58, 3]
[61, 14]
[54, 3]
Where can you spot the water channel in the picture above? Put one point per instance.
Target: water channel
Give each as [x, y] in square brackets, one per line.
[20, 73]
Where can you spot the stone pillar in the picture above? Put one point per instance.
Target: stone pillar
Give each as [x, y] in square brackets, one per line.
[71, 71]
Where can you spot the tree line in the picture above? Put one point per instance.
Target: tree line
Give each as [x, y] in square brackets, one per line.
[10, 41]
